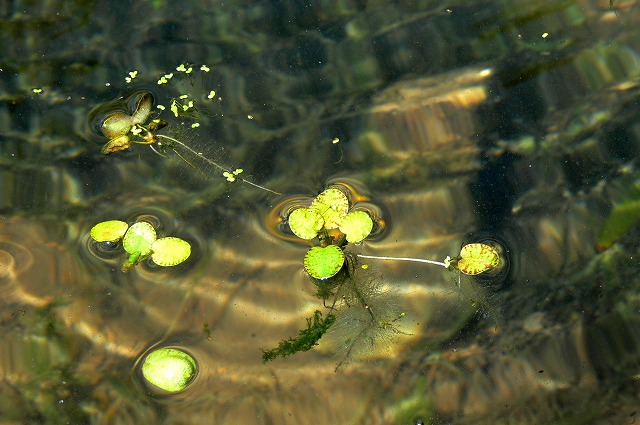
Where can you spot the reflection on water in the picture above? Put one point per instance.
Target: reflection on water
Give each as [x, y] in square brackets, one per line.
[493, 120]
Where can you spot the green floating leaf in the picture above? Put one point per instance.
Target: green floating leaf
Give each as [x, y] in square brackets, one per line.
[170, 251]
[139, 238]
[306, 339]
[356, 225]
[305, 223]
[169, 369]
[109, 231]
[332, 204]
[476, 258]
[323, 263]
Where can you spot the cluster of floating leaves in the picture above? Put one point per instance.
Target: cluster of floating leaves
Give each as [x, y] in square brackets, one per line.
[140, 241]
[328, 211]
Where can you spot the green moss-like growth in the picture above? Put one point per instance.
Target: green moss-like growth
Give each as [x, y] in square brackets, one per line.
[306, 339]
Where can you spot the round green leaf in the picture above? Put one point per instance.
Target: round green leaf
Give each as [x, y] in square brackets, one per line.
[169, 369]
[356, 225]
[476, 258]
[332, 204]
[305, 223]
[323, 263]
[139, 238]
[109, 231]
[170, 251]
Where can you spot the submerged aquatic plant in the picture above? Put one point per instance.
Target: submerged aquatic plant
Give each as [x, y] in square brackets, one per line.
[140, 241]
[307, 338]
[329, 221]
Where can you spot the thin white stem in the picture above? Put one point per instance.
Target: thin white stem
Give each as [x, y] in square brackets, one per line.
[207, 160]
[415, 260]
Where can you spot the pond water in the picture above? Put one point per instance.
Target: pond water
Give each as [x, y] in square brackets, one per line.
[509, 123]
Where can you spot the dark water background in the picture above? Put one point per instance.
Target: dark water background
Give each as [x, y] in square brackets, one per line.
[515, 122]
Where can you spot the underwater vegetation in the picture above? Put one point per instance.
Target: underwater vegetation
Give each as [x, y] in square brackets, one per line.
[330, 223]
[349, 291]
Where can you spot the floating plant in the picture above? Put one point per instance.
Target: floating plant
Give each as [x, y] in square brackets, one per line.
[125, 128]
[140, 242]
[324, 262]
[474, 258]
[109, 231]
[329, 221]
[169, 369]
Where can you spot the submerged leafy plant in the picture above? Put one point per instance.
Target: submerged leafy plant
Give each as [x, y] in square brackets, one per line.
[140, 242]
[307, 338]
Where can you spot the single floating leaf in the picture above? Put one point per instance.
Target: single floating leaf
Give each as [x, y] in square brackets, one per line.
[332, 204]
[169, 369]
[476, 258]
[170, 251]
[109, 231]
[323, 263]
[356, 225]
[305, 223]
[139, 238]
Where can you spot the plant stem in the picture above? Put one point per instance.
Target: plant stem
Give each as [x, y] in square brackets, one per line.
[415, 260]
[207, 160]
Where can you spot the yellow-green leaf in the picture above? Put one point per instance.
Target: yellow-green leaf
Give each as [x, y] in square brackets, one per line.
[116, 124]
[323, 263]
[356, 226]
[170, 251]
[305, 223]
[139, 238]
[332, 204]
[476, 258]
[143, 108]
[109, 231]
